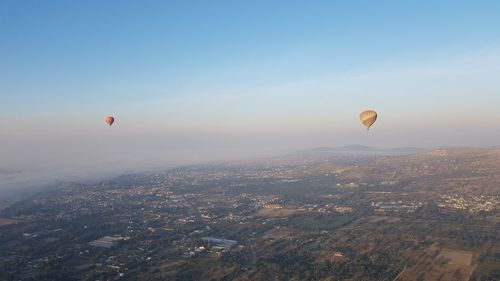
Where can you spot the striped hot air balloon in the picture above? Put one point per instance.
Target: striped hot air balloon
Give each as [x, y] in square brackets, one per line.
[368, 118]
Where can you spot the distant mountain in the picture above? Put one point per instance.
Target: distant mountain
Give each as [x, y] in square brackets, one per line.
[459, 152]
[356, 147]
[353, 147]
[363, 149]
[442, 170]
[319, 149]
[407, 150]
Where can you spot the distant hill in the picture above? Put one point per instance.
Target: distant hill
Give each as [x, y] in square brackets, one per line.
[459, 153]
[475, 170]
[353, 147]
[363, 149]
[356, 147]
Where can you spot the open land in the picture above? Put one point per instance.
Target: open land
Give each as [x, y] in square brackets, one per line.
[310, 216]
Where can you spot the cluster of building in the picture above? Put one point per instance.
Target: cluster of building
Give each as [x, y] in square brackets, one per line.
[471, 203]
[107, 241]
[397, 206]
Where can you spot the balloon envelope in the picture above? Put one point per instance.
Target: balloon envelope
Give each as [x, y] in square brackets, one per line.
[109, 120]
[368, 118]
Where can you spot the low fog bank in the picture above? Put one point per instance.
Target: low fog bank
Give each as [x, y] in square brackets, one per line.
[18, 184]
[29, 164]
[21, 183]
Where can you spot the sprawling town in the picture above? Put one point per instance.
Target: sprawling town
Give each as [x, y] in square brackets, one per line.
[316, 216]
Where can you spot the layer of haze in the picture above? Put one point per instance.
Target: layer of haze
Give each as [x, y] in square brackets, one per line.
[197, 81]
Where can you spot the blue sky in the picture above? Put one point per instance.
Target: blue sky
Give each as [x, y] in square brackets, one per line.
[58, 53]
[263, 74]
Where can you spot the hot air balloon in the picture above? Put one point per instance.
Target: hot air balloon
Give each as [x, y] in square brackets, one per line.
[109, 120]
[368, 118]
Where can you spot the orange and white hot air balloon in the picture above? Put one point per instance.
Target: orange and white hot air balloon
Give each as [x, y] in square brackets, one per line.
[368, 118]
[109, 120]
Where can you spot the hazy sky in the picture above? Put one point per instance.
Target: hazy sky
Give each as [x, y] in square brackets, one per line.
[190, 81]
